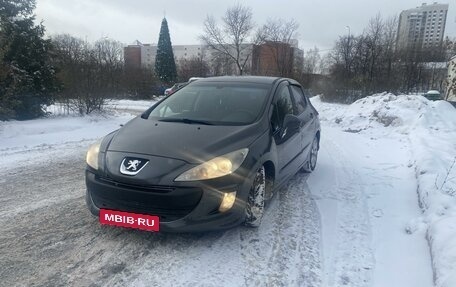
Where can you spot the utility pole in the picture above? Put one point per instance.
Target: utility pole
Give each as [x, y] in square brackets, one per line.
[347, 65]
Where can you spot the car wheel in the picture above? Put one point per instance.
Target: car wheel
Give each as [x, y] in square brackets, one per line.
[311, 163]
[255, 202]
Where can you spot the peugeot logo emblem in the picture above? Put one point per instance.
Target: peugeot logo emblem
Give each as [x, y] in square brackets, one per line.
[132, 165]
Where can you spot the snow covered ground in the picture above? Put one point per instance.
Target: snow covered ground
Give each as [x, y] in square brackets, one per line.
[407, 148]
[60, 134]
[379, 210]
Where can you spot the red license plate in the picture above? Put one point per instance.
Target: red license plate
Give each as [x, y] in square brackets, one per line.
[131, 220]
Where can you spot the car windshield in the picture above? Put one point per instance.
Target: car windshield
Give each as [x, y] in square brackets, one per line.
[213, 104]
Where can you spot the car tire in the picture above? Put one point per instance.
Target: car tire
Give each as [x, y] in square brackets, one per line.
[311, 162]
[254, 209]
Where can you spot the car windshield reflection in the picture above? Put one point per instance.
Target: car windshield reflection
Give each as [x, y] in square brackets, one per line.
[213, 104]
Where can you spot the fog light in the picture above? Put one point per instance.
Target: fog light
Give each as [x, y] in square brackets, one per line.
[228, 201]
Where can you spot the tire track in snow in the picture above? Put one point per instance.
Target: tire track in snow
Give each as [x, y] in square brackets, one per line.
[351, 259]
[57, 242]
[285, 250]
[206, 259]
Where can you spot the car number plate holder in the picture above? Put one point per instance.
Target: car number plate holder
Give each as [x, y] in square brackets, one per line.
[129, 220]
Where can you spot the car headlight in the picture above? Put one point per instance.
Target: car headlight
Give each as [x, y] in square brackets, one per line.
[216, 167]
[92, 154]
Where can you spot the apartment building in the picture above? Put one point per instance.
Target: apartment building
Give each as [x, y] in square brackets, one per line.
[422, 27]
[277, 58]
[143, 55]
[139, 55]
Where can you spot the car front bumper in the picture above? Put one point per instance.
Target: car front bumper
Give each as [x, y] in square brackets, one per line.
[192, 207]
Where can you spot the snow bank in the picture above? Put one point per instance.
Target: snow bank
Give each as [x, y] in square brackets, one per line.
[396, 113]
[130, 105]
[40, 141]
[35, 141]
[430, 128]
[118, 105]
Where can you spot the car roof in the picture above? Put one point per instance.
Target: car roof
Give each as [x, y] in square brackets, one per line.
[245, 79]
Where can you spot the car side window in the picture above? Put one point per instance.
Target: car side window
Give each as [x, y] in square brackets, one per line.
[299, 99]
[283, 106]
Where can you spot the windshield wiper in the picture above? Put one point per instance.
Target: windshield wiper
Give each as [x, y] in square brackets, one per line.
[186, 121]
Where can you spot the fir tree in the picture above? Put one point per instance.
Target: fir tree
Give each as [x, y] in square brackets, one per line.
[27, 80]
[165, 67]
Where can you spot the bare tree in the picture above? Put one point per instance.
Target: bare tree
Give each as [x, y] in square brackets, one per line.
[69, 48]
[108, 55]
[390, 33]
[70, 53]
[312, 61]
[449, 46]
[109, 52]
[89, 74]
[325, 63]
[343, 53]
[450, 81]
[276, 36]
[194, 67]
[374, 37]
[140, 83]
[231, 38]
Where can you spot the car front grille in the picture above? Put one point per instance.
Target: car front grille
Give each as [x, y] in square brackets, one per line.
[168, 202]
[150, 188]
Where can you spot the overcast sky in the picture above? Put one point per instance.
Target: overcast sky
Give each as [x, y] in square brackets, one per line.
[321, 22]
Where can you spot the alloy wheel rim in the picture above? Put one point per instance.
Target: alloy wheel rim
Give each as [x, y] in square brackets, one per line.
[314, 154]
[256, 200]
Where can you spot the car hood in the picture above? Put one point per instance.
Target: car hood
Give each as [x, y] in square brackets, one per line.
[192, 143]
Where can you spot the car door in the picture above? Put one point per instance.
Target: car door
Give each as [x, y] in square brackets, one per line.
[307, 116]
[286, 136]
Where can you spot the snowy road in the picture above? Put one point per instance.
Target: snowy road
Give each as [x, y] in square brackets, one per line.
[48, 238]
[366, 193]
[346, 229]
[355, 221]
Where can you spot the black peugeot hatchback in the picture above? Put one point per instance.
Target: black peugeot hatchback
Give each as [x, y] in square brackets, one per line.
[205, 158]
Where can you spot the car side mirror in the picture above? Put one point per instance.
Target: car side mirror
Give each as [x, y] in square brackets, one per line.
[290, 125]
